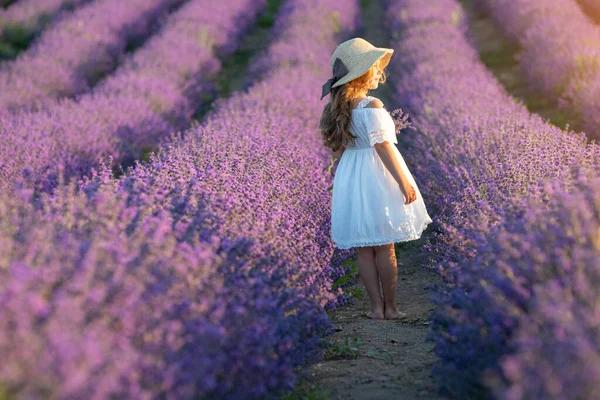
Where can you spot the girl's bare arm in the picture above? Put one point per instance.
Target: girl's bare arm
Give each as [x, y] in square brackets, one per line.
[386, 153]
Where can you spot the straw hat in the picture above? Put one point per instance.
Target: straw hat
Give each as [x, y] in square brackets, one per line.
[352, 59]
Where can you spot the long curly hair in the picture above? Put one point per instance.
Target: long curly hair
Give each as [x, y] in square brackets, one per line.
[335, 119]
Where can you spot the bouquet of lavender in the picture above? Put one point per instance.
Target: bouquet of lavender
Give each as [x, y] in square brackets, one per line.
[401, 120]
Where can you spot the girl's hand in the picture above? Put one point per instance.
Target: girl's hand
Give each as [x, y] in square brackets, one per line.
[409, 192]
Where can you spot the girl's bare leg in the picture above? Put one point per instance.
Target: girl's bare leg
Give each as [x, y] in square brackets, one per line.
[370, 277]
[388, 271]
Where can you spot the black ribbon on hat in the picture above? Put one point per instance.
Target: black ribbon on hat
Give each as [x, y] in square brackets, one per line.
[339, 70]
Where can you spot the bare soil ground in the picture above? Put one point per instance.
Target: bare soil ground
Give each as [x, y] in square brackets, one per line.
[380, 359]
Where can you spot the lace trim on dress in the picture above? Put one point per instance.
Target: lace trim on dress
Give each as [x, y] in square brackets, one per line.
[378, 136]
[413, 234]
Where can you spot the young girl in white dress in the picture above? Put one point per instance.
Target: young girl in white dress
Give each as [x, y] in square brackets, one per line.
[375, 201]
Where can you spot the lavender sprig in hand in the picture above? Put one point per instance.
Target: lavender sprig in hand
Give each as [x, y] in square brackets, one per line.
[401, 120]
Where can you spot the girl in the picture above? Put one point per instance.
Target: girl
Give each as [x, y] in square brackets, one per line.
[375, 201]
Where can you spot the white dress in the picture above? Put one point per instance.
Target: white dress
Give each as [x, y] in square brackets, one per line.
[367, 204]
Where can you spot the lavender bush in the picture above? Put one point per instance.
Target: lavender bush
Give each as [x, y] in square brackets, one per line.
[76, 52]
[153, 93]
[22, 20]
[540, 269]
[484, 160]
[202, 273]
[561, 53]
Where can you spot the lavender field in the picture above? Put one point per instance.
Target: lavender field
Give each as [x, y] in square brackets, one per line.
[165, 202]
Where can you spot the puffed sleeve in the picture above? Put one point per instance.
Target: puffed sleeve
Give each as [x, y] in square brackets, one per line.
[381, 127]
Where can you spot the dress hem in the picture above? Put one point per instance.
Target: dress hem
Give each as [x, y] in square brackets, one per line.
[385, 240]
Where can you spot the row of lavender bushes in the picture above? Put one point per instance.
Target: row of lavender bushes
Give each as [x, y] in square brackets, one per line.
[154, 92]
[202, 273]
[518, 205]
[77, 51]
[21, 21]
[560, 55]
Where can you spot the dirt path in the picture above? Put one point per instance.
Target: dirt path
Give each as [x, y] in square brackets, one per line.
[375, 359]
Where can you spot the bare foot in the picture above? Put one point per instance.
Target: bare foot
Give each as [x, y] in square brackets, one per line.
[375, 314]
[393, 313]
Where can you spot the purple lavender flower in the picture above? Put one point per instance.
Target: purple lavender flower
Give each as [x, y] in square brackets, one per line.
[154, 93]
[561, 53]
[76, 52]
[202, 273]
[487, 165]
[30, 16]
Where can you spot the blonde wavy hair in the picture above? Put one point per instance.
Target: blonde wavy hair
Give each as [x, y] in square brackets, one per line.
[335, 119]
